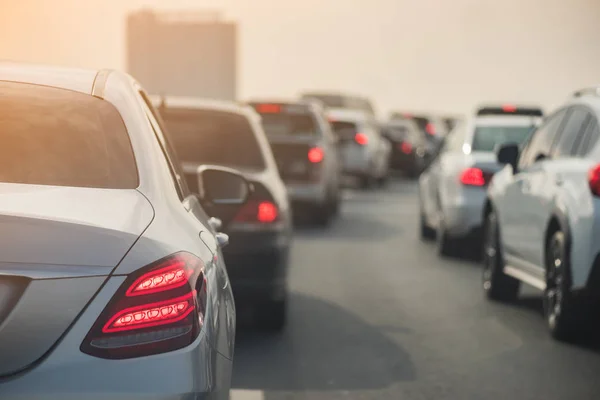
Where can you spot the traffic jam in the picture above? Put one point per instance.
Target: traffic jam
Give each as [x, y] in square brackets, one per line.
[158, 246]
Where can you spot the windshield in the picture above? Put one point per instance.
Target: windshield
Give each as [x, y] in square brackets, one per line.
[288, 124]
[331, 101]
[213, 137]
[58, 137]
[486, 138]
[344, 130]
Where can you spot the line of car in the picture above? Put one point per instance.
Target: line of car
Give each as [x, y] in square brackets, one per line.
[117, 209]
[522, 189]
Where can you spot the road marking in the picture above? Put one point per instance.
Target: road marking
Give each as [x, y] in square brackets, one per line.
[238, 394]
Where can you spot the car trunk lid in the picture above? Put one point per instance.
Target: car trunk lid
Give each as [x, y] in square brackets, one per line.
[57, 246]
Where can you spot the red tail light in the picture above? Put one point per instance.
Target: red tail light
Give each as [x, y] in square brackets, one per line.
[315, 155]
[406, 147]
[157, 311]
[430, 128]
[509, 108]
[472, 177]
[594, 180]
[361, 139]
[268, 108]
[264, 212]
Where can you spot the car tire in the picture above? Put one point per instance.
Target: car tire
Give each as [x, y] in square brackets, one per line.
[564, 313]
[272, 316]
[426, 232]
[496, 284]
[446, 246]
[366, 182]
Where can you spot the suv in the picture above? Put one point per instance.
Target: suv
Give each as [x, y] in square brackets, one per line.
[542, 216]
[306, 152]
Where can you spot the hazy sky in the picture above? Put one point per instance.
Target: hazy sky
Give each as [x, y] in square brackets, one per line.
[443, 55]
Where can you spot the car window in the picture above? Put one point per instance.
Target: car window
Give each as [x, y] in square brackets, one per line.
[542, 140]
[290, 124]
[487, 137]
[214, 137]
[169, 153]
[58, 137]
[345, 130]
[590, 137]
[572, 130]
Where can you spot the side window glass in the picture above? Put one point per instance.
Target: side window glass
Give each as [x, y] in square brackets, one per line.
[590, 138]
[571, 132]
[541, 140]
[169, 153]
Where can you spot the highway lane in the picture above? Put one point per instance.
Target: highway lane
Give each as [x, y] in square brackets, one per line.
[375, 314]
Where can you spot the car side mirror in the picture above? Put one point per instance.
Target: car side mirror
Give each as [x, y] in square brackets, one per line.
[508, 154]
[222, 191]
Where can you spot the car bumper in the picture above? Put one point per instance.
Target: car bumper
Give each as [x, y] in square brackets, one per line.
[463, 216]
[257, 264]
[197, 371]
[314, 193]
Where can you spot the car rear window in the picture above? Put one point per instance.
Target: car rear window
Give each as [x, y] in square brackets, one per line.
[213, 137]
[486, 138]
[58, 137]
[288, 124]
[344, 129]
[331, 101]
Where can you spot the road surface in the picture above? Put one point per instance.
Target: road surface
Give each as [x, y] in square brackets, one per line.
[375, 314]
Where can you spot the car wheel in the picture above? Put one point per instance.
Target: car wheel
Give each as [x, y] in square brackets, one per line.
[564, 315]
[446, 246]
[427, 233]
[496, 284]
[366, 182]
[272, 315]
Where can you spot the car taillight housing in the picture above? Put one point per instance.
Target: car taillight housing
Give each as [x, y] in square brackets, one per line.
[159, 309]
[361, 139]
[315, 155]
[594, 180]
[258, 211]
[473, 177]
[406, 147]
[430, 128]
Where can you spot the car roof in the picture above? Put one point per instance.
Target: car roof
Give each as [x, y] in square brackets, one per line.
[348, 114]
[199, 103]
[78, 80]
[313, 104]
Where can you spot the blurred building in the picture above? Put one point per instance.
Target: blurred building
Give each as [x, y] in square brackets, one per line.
[183, 53]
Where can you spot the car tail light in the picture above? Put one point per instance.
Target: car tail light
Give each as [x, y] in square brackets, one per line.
[430, 128]
[406, 147]
[161, 309]
[473, 177]
[261, 211]
[509, 108]
[268, 108]
[361, 139]
[315, 155]
[594, 180]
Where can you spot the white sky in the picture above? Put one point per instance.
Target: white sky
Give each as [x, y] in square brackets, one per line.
[441, 55]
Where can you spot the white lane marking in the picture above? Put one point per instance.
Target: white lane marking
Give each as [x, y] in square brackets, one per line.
[238, 394]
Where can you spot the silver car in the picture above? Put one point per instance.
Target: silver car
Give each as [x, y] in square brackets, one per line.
[112, 281]
[365, 152]
[452, 191]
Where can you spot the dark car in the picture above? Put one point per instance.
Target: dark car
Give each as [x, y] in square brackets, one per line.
[433, 126]
[306, 151]
[411, 150]
[230, 135]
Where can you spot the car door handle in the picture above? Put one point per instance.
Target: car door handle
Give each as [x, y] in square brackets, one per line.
[222, 239]
[215, 223]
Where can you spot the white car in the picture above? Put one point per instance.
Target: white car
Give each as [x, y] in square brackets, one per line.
[452, 190]
[365, 152]
[542, 217]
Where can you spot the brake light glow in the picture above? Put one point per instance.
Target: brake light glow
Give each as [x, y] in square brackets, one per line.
[472, 177]
[151, 315]
[169, 277]
[315, 155]
[267, 212]
[361, 139]
[406, 147]
[430, 128]
[509, 108]
[594, 180]
[268, 108]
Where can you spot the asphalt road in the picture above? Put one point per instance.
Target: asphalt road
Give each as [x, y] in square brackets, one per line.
[375, 314]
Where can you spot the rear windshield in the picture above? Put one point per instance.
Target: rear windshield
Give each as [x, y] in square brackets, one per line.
[486, 138]
[288, 124]
[331, 101]
[213, 137]
[345, 130]
[52, 136]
